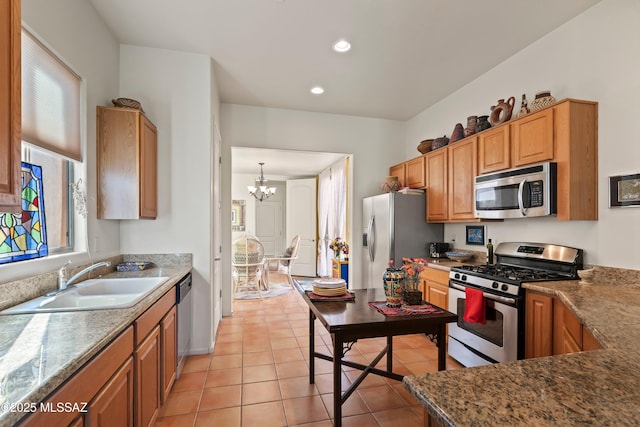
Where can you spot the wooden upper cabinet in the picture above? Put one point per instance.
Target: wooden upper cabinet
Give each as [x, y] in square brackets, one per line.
[494, 150]
[533, 138]
[462, 170]
[576, 134]
[10, 110]
[415, 172]
[399, 171]
[436, 182]
[127, 150]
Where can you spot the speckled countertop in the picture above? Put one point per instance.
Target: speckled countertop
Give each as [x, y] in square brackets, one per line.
[599, 387]
[38, 352]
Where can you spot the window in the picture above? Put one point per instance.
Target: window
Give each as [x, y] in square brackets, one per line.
[51, 131]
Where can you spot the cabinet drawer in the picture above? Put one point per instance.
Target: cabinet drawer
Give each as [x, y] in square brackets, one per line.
[150, 318]
[436, 275]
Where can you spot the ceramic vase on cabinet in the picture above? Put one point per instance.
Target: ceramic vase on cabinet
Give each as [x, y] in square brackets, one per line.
[393, 282]
[502, 111]
[543, 99]
[390, 184]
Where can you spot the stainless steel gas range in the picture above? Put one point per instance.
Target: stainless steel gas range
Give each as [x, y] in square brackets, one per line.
[501, 337]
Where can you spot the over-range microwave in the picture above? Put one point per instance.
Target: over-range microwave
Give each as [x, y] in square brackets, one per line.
[517, 193]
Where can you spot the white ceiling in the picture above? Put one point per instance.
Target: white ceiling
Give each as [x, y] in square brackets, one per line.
[281, 163]
[406, 55]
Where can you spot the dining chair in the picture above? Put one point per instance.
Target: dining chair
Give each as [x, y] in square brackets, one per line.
[283, 264]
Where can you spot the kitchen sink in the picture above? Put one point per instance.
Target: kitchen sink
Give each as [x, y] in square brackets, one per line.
[94, 294]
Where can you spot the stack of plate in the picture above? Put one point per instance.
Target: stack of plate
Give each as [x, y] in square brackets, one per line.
[329, 286]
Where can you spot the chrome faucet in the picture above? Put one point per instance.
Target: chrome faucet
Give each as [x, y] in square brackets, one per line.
[63, 282]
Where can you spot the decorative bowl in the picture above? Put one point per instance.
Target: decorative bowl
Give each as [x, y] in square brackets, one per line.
[425, 146]
[458, 255]
[439, 142]
[586, 276]
[127, 103]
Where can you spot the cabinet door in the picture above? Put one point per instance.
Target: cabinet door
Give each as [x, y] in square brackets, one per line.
[113, 406]
[533, 138]
[588, 341]
[538, 325]
[494, 150]
[437, 185]
[10, 112]
[147, 384]
[462, 171]
[399, 171]
[567, 330]
[148, 169]
[168, 328]
[414, 172]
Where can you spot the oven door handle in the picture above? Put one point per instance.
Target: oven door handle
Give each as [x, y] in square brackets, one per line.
[486, 295]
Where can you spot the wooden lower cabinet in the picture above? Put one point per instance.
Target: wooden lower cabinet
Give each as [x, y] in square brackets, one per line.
[435, 286]
[91, 388]
[127, 382]
[113, 406]
[538, 325]
[551, 328]
[147, 383]
[169, 355]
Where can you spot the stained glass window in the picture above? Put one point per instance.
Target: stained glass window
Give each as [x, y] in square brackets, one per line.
[23, 235]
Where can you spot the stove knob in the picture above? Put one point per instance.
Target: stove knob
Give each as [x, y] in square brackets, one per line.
[456, 276]
[505, 288]
[464, 277]
[494, 285]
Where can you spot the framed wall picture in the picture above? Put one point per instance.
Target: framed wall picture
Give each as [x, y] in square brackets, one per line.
[237, 215]
[475, 235]
[624, 191]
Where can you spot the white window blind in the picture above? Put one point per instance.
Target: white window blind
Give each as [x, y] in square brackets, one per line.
[50, 101]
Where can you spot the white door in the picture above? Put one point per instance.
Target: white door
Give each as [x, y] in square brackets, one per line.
[216, 241]
[269, 226]
[301, 220]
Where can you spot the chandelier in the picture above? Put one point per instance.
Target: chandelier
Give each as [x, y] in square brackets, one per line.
[260, 191]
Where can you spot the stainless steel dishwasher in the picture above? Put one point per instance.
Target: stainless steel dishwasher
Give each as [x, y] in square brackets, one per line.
[185, 304]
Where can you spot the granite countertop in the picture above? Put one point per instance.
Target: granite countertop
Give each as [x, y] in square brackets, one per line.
[38, 352]
[599, 387]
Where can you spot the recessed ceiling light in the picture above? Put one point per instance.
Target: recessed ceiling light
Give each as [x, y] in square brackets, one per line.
[317, 90]
[341, 46]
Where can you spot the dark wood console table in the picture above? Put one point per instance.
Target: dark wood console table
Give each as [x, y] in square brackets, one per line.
[348, 322]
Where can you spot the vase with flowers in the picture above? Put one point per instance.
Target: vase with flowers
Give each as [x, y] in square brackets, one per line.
[340, 248]
[412, 295]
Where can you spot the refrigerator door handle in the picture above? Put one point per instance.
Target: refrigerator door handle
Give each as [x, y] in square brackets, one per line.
[371, 236]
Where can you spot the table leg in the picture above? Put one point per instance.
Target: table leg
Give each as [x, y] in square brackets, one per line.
[337, 380]
[389, 354]
[441, 342]
[312, 347]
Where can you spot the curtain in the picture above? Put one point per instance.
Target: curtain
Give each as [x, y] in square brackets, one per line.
[324, 207]
[339, 199]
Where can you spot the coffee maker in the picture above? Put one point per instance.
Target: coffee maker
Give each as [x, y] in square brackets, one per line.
[438, 249]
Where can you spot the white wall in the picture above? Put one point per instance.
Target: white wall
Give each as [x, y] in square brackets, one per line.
[375, 144]
[74, 31]
[175, 91]
[596, 56]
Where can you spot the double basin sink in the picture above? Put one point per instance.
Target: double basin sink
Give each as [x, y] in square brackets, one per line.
[94, 294]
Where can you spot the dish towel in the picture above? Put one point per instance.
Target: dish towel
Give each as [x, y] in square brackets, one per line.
[475, 307]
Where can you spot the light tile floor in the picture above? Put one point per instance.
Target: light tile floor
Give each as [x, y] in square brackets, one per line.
[258, 374]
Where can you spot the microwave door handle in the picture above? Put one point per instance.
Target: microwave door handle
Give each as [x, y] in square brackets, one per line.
[523, 210]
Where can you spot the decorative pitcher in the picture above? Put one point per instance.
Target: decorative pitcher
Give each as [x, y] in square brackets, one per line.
[502, 112]
[393, 281]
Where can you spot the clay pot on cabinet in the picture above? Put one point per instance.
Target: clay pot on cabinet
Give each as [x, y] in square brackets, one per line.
[543, 99]
[390, 184]
[483, 123]
[425, 146]
[472, 122]
[457, 134]
[502, 112]
[439, 142]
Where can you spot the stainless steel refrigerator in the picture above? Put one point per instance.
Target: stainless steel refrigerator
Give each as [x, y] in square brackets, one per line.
[395, 226]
